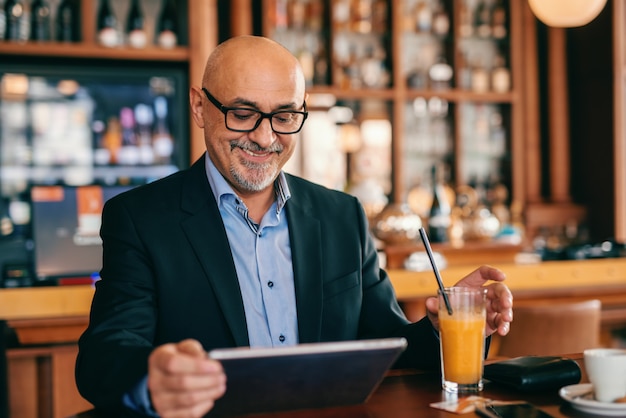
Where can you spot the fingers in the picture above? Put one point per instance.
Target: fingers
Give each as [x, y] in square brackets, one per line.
[432, 309]
[183, 381]
[499, 308]
[482, 275]
[499, 297]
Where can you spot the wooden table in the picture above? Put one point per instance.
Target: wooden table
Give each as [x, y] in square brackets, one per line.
[408, 394]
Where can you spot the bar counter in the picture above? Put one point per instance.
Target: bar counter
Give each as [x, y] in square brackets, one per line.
[527, 281]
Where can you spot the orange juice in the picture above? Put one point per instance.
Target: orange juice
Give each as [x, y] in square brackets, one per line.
[462, 346]
[462, 338]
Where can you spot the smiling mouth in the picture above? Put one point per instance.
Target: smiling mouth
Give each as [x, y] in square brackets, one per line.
[254, 150]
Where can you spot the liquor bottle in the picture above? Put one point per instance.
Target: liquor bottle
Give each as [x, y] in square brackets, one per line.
[440, 74]
[500, 76]
[483, 19]
[107, 25]
[439, 214]
[144, 116]
[162, 141]
[112, 139]
[128, 153]
[498, 21]
[39, 21]
[67, 22]
[167, 26]
[14, 14]
[307, 62]
[423, 17]
[480, 77]
[296, 14]
[135, 30]
[441, 20]
[466, 21]
[464, 77]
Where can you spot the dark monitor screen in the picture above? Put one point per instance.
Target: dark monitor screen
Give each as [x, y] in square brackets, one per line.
[66, 230]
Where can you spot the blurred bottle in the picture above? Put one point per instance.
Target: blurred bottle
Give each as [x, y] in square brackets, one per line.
[440, 74]
[307, 61]
[498, 20]
[464, 73]
[167, 25]
[128, 153]
[162, 141]
[144, 116]
[423, 17]
[466, 21]
[480, 77]
[362, 16]
[441, 20]
[483, 19]
[296, 14]
[500, 75]
[68, 22]
[439, 216]
[112, 139]
[15, 16]
[40, 21]
[135, 30]
[107, 25]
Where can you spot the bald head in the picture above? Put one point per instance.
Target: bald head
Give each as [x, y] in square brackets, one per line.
[245, 56]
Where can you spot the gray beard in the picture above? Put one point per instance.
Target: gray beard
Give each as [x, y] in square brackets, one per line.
[262, 175]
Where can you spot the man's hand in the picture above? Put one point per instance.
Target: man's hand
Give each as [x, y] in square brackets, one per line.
[499, 299]
[183, 381]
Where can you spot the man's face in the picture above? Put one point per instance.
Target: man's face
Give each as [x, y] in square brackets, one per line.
[251, 161]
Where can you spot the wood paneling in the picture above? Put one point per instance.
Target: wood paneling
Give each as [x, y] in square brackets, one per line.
[41, 382]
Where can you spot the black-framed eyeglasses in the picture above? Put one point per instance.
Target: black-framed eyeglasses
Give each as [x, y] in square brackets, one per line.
[243, 119]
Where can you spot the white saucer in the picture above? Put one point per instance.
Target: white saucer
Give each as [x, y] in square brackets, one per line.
[581, 398]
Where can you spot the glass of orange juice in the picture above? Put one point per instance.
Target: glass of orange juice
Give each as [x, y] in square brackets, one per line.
[462, 338]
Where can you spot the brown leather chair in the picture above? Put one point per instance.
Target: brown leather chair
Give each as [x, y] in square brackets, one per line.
[552, 329]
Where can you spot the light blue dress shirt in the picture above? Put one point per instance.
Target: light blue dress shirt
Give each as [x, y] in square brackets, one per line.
[262, 256]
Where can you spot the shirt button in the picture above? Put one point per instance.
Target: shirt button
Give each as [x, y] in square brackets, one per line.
[270, 284]
[281, 338]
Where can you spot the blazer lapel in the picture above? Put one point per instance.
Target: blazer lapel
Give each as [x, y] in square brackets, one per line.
[305, 237]
[207, 236]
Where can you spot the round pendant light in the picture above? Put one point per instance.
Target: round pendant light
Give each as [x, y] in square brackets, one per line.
[566, 13]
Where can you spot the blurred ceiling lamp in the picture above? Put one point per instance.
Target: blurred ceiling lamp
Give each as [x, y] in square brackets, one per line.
[566, 13]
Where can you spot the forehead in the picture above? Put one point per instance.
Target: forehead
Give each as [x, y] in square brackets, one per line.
[260, 75]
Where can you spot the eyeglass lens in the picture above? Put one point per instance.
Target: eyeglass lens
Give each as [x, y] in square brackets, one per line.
[249, 119]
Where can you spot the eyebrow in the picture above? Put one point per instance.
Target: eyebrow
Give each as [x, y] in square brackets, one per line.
[240, 101]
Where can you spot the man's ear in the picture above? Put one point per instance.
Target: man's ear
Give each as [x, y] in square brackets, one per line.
[197, 109]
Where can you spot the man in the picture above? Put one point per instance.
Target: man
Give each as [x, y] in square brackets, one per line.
[234, 252]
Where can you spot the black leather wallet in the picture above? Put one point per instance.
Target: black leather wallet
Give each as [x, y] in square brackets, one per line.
[532, 373]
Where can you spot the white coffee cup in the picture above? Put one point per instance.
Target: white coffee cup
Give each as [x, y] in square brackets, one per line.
[606, 369]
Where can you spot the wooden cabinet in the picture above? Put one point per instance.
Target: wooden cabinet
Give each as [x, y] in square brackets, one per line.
[436, 81]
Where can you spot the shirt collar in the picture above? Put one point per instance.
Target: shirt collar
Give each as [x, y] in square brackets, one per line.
[220, 186]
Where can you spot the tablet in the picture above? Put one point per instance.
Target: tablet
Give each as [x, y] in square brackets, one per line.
[304, 376]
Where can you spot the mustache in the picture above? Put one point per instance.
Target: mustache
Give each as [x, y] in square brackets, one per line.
[254, 147]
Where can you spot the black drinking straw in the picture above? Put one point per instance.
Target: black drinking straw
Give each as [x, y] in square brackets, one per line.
[429, 251]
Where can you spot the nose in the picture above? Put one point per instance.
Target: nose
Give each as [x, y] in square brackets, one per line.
[263, 135]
